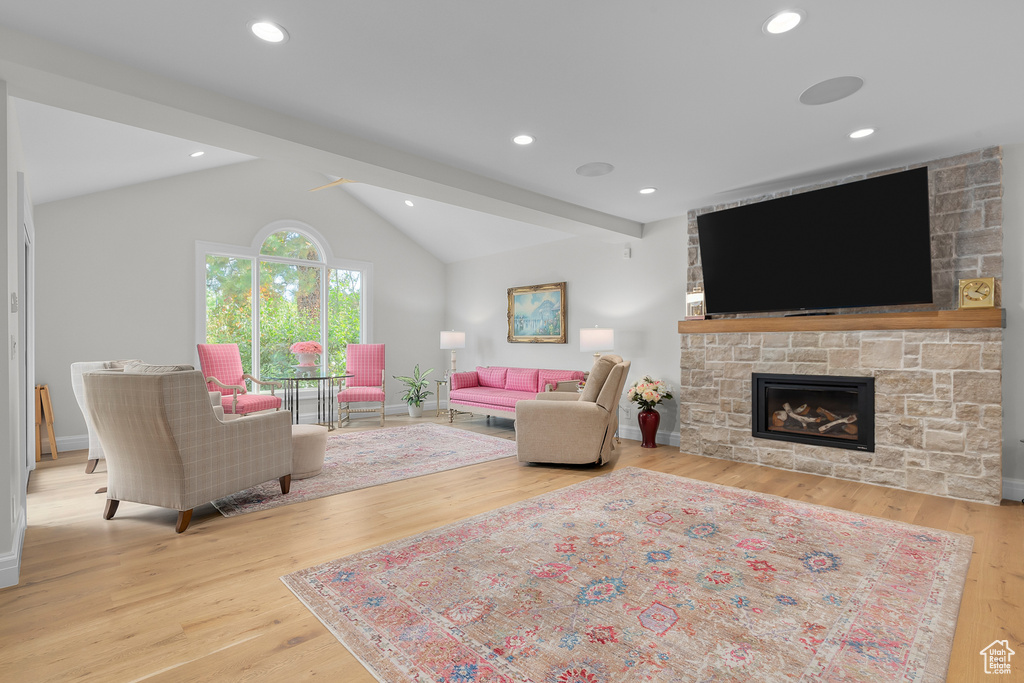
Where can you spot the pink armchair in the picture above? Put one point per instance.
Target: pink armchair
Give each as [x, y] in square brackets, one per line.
[222, 368]
[366, 363]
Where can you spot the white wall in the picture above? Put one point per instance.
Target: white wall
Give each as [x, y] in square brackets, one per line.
[642, 299]
[1013, 335]
[13, 477]
[115, 271]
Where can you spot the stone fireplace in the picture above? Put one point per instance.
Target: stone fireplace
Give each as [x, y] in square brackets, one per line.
[938, 399]
[937, 372]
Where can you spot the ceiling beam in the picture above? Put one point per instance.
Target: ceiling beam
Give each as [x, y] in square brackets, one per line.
[54, 74]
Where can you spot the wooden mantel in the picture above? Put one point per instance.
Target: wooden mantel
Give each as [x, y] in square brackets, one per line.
[965, 319]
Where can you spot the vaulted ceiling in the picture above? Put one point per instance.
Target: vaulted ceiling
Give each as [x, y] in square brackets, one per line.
[689, 97]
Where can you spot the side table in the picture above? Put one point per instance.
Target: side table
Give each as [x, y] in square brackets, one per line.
[325, 390]
[440, 383]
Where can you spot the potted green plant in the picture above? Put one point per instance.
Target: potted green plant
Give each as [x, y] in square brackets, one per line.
[416, 390]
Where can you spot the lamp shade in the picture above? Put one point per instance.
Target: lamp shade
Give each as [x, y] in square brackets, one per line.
[597, 339]
[453, 340]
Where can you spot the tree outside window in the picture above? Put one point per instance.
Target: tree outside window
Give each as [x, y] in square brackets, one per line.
[299, 298]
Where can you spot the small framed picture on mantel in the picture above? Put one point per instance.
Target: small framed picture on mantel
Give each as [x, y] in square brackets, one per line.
[695, 304]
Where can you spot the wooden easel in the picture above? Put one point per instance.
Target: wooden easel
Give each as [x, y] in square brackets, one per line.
[44, 410]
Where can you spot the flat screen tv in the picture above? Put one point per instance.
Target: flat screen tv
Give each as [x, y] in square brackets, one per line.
[865, 243]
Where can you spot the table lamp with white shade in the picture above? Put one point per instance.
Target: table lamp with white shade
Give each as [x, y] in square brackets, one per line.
[453, 340]
[597, 339]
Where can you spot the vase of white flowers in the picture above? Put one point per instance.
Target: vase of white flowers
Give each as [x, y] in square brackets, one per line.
[648, 393]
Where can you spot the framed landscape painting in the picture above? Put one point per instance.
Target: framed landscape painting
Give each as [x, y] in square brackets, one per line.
[536, 314]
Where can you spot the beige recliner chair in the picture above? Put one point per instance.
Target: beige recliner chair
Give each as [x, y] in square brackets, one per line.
[575, 429]
[165, 445]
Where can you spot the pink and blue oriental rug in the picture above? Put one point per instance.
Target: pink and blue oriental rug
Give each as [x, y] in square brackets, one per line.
[360, 459]
[642, 576]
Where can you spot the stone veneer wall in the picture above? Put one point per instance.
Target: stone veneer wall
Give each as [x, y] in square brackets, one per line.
[938, 393]
[938, 412]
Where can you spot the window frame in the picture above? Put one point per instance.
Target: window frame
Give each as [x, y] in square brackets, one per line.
[327, 262]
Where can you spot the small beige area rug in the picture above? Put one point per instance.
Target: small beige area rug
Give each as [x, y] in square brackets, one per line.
[642, 576]
[361, 459]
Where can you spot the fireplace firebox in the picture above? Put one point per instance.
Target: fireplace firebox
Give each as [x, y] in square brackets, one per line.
[822, 410]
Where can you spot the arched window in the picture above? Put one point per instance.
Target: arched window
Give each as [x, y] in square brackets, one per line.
[282, 290]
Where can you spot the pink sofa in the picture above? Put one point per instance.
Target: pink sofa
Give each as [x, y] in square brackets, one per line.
[496, 390]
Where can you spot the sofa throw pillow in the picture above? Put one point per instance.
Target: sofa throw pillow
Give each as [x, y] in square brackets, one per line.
[461, 380]
[492, 377]
[118, 364]
[553, 377]
[521, 379]
[146, 369]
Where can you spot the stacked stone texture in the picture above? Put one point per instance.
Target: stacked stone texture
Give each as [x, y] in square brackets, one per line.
[938, 393]
[938, 412]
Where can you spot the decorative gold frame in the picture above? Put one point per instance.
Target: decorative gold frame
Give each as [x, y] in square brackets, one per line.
[695, 304]
[554, 293]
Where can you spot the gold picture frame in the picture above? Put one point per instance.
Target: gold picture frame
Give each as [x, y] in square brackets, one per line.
[536, 314]
[695, 304]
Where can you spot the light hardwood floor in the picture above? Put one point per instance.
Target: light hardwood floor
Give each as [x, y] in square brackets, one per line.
[130, 600]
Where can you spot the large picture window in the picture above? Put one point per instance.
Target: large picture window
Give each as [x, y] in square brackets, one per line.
[284, 289]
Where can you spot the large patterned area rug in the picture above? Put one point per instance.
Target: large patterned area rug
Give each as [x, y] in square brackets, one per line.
[642, 576]
[361, 459]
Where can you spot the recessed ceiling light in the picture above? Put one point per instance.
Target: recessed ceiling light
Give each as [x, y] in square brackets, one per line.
[268, 31]
[783, 21]
[649, 190]
[862, 133]
[594, 169]
[408, 202]
[523, 139]
[196, 155]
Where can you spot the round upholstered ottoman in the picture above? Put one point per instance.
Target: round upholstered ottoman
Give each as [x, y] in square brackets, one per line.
[309, 446]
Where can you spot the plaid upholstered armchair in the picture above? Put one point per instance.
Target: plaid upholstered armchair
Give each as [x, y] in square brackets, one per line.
[562, 427]
[366, 363]
[78, 370]
[165, 445]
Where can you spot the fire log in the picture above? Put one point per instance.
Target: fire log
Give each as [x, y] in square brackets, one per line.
[841, 421]
[779, 418]
[827, 414]
[800, 418]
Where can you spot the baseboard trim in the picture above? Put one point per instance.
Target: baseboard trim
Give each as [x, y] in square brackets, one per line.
[76, 442]
[10, 562]
[1013, 489]
[664, 438]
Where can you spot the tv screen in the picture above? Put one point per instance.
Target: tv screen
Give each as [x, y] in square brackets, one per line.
[865, 243]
